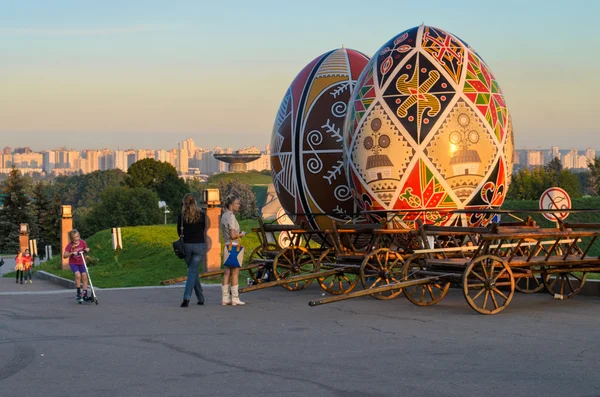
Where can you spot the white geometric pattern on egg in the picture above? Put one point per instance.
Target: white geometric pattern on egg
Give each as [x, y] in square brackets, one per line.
[433, 92]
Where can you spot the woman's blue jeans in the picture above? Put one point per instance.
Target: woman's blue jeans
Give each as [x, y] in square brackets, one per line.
[194, 254]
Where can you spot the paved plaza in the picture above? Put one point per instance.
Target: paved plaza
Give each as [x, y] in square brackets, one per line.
[139, 342]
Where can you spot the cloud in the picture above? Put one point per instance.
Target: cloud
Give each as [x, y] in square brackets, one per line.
[83, 31]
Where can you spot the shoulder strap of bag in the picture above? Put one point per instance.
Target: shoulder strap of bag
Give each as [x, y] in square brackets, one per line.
[230, 244]
[181, 228]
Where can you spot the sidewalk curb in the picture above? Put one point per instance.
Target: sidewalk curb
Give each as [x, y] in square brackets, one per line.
[63, 282]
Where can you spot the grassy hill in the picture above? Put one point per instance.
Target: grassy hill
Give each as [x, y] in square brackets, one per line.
[580, 203]
[146, 259]
[250, 177]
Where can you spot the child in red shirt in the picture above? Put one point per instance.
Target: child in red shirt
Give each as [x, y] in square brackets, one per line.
[73, 251]
[19, 266]
[27, 265]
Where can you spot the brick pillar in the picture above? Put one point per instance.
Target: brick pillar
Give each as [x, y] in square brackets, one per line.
[66, 225]
[212, 238]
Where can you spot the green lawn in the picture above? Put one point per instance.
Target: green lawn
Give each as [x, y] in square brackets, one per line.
[250, 177]
[146, 259]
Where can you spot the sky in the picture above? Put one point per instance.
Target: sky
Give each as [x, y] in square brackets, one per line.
[150, 73]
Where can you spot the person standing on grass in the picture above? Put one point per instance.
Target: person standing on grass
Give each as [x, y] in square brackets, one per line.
[191, 224]
[27, 265]
[73, 251]
[19, 266]
[230, 229]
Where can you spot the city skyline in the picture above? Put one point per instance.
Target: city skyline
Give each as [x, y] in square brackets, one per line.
[146, 73]
[192, 161]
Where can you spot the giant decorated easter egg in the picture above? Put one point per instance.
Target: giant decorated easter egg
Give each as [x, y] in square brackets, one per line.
[428, 132]
[307, 141]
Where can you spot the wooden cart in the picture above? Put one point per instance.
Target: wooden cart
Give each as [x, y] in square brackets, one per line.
[488, 263]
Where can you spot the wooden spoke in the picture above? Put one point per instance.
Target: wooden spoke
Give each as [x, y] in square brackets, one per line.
[494, 298]
[294, 261]
[379, 268]
[487, 293]
[564, 279]
[479, 294]
[488, 265]
[422, 295]
[263, 273]
[474, 273]
[496, 290]
[338, 283]
[530, 284]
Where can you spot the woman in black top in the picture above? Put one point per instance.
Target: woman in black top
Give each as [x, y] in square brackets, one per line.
[193, 221]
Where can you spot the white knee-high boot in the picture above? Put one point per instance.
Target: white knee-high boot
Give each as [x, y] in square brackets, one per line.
[226, 296]
[235, 296]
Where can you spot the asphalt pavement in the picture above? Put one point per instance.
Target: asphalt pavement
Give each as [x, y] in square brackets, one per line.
[139, 342]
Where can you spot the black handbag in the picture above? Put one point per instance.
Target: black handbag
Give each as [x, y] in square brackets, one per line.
[179, 246]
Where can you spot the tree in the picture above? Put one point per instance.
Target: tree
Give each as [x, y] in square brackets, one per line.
[554, 168]
[15, 210]
[530, 184]
[123, 206]
[244, 192]
[46, 218]
[84, 190]
[555, 165]
[160, 177]
[594, 178]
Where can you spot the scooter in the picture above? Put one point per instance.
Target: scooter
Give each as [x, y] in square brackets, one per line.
[93, 297]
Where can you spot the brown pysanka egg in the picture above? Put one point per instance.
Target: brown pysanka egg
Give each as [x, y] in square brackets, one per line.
[428, 129]
[306, 145]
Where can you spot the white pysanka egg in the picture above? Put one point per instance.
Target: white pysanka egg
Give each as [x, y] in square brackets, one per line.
[428, 129]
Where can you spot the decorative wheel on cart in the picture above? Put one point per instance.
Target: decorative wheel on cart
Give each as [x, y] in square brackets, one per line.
[425, 294]
[336, 284]
[294, 261]
[380, 267]
[258, 274]
[567, 284]
[488, 284]
[530, 284]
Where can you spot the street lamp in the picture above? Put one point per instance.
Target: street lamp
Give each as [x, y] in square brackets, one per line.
[212, 197]
[66, 211]
[162, 204]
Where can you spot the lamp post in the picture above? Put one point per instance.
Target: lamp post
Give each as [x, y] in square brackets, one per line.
[23, 236]
[162, 204]
[66, 225]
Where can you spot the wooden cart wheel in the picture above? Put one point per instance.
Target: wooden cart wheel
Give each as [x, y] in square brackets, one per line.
[339, 283]
[488, 284]
[562, 283]
[426, 294]
[380, 267]
[257, 274]
[294, 261]
[531, 284]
